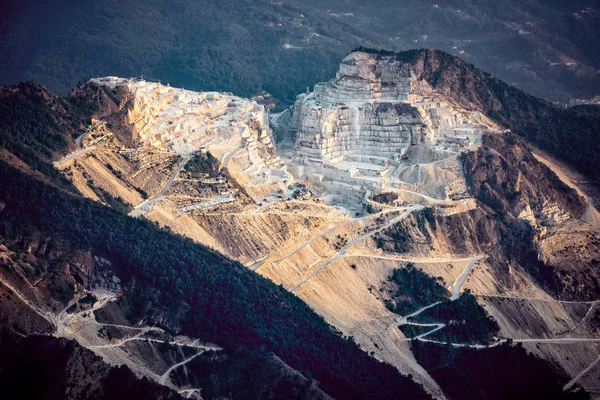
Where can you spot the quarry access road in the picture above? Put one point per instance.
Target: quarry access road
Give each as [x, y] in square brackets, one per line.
[356, 240]
[143, 330]
[165, 376]
[138, 336]
[46, 315]
[455, 155]
[466, 345]
[146, 206]
[581, 374]
[145, 370]
[188, 392]
[457, 284]
[455, 289]
[422, 337]
[557, 340]
[79, 150]
[63, 320]
[62, 312]
[171, 180]
[591, 302]
[429, 260]
[228, 156]
[428, 198]
[325, 232]
[437, 326]
[79, 138]
[78, 141]
[72, 156]
[308, 243]
[404, 320]
[146, 330]
[136, 328]
[100, 304]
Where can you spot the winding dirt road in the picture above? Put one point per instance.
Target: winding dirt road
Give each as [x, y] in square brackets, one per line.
[257, 265]
[146, 206]
[79, 150]
[458, 283]
[165, 376]
[455, 289]
[356, 240]
[581, 374]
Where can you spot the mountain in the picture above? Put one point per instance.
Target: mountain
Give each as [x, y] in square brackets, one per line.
[566, 133]
[235, 46]
[546, 48]
[52, 235]
[410, 227]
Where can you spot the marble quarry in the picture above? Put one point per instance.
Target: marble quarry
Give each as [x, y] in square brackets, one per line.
[233, 129]
[370, 129]
[307, 197]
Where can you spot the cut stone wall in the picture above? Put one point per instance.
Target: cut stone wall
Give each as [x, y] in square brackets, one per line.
[363, 111]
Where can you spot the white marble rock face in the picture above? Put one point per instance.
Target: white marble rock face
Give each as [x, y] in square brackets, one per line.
[364, 111]
[364, 78]
[379, 129]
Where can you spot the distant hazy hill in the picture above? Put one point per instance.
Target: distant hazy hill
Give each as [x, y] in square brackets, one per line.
[548, 48]
[228, 45]
[544, 47]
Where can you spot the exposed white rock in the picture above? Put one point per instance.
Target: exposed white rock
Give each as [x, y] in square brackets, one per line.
[371, 129]
[376, 127]
[184, 122]
[362, 79]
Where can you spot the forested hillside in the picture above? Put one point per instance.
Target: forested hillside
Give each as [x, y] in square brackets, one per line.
[192, 290]
[231, 45]
[222, 301]
[543, 47]
[54, 369]
[165, 275]
[501, 372]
